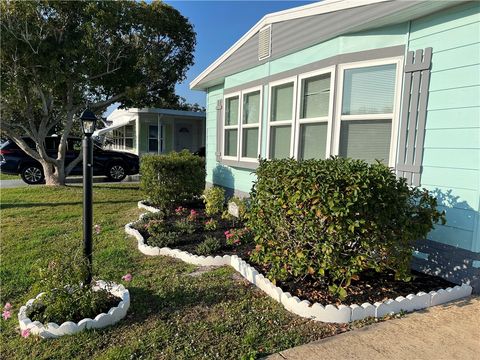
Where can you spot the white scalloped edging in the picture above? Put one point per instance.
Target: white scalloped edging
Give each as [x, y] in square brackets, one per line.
[53, 330]
[329, 313]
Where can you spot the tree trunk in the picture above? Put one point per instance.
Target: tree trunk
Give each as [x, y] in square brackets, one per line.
[54, 174]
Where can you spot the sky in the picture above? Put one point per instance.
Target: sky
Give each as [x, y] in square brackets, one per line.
[219, 24]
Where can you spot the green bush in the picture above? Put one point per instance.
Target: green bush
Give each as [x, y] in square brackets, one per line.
[208, 246]
[168, 180]
[163, 239]
[332, 219]
[214, 199]
[185, 226]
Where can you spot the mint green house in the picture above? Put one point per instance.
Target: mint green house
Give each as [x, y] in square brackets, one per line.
[397, 81]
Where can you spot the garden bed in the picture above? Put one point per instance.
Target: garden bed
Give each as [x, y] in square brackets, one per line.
[113, 311]
[378, 294]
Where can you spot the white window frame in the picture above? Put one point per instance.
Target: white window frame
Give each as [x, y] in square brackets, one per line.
[125, 137]
[316, 120]
[291, 122]
[231, 127]
[250, 126]
[394, 116]
[120, 142]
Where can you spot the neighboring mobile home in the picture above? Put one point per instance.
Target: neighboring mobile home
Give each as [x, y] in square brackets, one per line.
[154, 130]
[397, 81]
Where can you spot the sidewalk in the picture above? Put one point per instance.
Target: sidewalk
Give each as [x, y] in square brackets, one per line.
[449, 331]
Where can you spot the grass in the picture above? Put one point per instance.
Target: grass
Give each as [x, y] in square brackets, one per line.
[9, 177]
[173, 315]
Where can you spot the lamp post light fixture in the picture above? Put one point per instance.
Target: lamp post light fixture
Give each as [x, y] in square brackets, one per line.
[88, 120]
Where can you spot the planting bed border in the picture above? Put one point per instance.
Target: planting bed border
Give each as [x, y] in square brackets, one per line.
[53, 330]
[329, 313]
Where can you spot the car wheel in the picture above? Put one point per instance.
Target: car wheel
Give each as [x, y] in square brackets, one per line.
[32, 174]
[116, 172]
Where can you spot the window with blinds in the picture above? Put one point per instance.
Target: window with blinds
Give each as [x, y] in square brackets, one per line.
[281, 119]
[314, 115]
[241, 125]
[367, 112]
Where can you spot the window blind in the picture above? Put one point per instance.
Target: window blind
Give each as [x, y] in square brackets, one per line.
[282, 102]
[315, 96]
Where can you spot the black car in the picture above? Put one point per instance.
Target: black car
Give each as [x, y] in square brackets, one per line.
[113, 164]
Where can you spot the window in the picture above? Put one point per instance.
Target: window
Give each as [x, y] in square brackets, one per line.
[155, 138]
[232, 112]
[280, 119]
[241, 140]
[314, 116]
[367, 108]
[123, 138]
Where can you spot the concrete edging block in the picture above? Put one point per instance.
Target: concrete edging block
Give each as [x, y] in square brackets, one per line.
[329, 313]
[53, 330]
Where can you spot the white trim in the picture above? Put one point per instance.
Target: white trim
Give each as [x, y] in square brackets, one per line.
[292, 79]
[398, 61]
[328, 119]
[318, 8]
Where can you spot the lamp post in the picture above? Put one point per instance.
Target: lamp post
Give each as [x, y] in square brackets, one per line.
[88, 120]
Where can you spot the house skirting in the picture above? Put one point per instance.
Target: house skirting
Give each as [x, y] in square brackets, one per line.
[451, 263]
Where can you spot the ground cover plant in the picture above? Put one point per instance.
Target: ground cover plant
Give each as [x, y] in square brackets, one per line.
[331, 222]
[9, 177]
[173, 315]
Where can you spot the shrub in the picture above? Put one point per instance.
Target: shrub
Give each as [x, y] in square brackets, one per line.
[237, 236]
[168, 180]
[332, 219]
[214, 199]
[208, 246]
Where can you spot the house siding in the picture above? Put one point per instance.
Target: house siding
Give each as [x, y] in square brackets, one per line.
[451, 155]
[451, 162]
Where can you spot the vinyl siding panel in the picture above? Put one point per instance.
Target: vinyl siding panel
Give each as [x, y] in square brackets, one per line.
[451, 159]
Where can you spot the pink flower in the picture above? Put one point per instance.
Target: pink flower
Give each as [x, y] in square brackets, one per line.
[26, 333]
[228, 236]
[179, 210]
[6, 314]
[227, 232]
[127, 277]
[7, 306]
[97, 229]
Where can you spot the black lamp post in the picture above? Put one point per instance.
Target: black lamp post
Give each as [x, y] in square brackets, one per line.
[89, 120]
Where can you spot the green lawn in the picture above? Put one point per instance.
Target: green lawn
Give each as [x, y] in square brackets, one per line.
[9, 177]
[173, 315]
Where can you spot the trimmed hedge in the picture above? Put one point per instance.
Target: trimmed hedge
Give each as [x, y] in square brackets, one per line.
[171, 179]
[332, 219]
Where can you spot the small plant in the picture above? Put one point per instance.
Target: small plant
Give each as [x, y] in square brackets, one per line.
[180, 211]
[214, 199]
[236, 236]
[156, 227]
[163, 239]
[211, 225]
[185, 226]
[193, 215]
[208, 246]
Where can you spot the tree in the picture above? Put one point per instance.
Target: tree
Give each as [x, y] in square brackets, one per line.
[58, 57]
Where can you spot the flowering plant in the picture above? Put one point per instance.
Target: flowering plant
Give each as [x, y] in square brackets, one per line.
[211, 225]
[181, 211]
[192, 216]
[235, 236]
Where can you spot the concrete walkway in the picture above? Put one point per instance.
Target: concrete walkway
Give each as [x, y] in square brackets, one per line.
[449, 331]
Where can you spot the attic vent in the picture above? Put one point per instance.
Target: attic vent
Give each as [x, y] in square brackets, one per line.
[264, 43]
